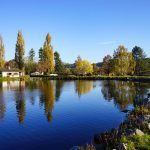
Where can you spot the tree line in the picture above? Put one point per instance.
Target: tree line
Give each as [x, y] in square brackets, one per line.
[122, 63]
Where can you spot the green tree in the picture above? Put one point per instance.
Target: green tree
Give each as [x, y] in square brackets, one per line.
[30, 64]
[83, 67]
[41, 54]
[132, 64]
[19, 54]
[138, 53]
[107, 65]
[144, 67]
[2, 53]
[123, 63]
[95, 69]
[139, 56]
[59, 67]
[48, 55]
[31, 55]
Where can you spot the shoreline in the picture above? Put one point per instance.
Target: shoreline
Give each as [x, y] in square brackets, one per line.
[133, 133]
[73, 77]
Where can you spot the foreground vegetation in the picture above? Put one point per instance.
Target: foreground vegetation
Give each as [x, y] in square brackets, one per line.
[137, 142]
[132, 134]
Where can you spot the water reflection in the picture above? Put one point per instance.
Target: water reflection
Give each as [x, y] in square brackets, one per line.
[20, 101]
[58, 89]
[121, 93]
[2, 103]
[47, 98]
[142, 89]
[124, 93]
[83, 87]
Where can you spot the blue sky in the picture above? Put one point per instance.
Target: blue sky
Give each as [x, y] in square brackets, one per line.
[89, 28]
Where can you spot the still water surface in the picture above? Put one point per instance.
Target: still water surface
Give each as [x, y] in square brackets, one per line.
[56, 115]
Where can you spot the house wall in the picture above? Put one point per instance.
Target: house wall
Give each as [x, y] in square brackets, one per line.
[12, 74]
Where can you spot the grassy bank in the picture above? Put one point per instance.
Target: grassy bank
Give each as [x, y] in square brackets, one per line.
[73, 77]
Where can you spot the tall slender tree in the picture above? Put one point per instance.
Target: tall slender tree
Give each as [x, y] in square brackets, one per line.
[48, 55]
[2, 53]
[59, 67]
[19, 54]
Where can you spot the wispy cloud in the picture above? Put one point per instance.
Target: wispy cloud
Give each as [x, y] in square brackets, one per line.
[108, 42]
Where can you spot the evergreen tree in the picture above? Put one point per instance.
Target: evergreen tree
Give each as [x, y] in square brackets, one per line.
[139, 57]
[2, 53]
[41, 54]
[19, 54]
[138, 53]
[48, 55]
[31, 55]
[59, 67]
[30, 64]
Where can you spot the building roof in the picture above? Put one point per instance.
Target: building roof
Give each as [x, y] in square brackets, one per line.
[11, 70]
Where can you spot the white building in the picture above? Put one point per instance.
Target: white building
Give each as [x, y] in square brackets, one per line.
[11, 73]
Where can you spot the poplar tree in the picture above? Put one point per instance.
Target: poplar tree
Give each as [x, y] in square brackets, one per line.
[2, 53]
[48, 55]
[19, 54]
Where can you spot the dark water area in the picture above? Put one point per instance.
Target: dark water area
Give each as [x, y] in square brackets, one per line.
[57, 115]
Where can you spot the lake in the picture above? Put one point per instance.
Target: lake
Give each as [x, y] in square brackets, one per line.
[57, 115]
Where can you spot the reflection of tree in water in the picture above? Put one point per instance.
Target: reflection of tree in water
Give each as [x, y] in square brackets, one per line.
[142, 89]
[20, 102]
[83, 87]
[2, 103]
[32, 86]
[58, 89]
[47, 98]
[122, 92]
[107, 90]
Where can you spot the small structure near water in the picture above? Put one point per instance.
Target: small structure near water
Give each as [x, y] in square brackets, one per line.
[12, 73]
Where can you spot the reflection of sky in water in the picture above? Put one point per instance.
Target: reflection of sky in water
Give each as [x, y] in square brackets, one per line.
[58, 114]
